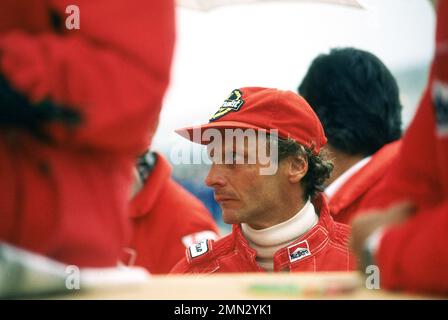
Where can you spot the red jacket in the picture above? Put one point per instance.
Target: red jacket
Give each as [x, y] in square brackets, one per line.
[166, 219]
[323, 248]
[350, 197]
[414, 256]
[67, 200]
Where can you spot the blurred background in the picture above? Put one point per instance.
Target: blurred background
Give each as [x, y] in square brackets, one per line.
[271, 45]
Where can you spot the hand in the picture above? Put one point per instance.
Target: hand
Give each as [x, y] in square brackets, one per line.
[367, 222]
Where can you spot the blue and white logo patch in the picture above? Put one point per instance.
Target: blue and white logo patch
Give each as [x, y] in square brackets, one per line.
[198, 249]
[299, 251]
[440, 101]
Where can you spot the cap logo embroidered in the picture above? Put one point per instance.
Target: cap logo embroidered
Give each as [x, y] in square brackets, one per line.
[232, 103]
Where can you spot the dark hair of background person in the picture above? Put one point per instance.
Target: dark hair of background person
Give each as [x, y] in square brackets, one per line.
[356, 98]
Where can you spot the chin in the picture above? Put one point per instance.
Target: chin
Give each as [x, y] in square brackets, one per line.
[230, 216]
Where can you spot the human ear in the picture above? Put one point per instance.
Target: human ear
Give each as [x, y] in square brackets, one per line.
[297, 169]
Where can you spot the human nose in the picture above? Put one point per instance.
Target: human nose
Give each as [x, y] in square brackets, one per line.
[215, 177]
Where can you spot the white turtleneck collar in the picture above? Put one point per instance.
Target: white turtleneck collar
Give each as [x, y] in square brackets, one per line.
[266, 242]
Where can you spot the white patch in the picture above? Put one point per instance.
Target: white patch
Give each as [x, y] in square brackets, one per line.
[299, 251]
[194, 238]
[198, 249]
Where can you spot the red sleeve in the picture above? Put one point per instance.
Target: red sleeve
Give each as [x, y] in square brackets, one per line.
[414, 256]
[113, 70]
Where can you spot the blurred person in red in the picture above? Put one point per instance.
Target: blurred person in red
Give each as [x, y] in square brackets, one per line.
[166, 219]
[280, 218]
[405, 233]
[76, 106]
[357, 100]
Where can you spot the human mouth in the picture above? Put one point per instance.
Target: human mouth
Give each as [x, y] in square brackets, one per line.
[220, 198]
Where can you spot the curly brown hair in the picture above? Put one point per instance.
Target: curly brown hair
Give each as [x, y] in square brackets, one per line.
[319, 166]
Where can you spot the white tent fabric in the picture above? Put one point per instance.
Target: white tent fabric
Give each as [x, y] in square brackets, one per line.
[211, 4]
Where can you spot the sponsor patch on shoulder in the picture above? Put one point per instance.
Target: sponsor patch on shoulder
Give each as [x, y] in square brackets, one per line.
[193, 238]
[198, 249]
[298, 251]
[232, 103]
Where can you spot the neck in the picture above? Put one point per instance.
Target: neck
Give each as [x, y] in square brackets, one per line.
[342, 162]
[267, 242]
[284, 210]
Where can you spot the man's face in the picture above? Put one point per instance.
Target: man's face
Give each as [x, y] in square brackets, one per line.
[245, 195]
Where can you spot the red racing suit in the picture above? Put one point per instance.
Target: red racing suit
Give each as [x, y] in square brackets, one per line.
[166, 219]
[323, 248]
[346, 202]
[67, 199]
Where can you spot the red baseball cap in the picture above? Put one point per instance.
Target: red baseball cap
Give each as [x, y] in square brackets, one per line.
[265, 109]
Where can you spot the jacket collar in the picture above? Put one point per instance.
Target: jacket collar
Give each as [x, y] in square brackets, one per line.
[244, 249]
[365, 178]
[308, 245]
[311, 243]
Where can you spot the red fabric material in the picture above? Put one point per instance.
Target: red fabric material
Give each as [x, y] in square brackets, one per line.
[266, 109]
[68, 200]
[348, 200]
[327, 244]
[162, 213]
[414, 256]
